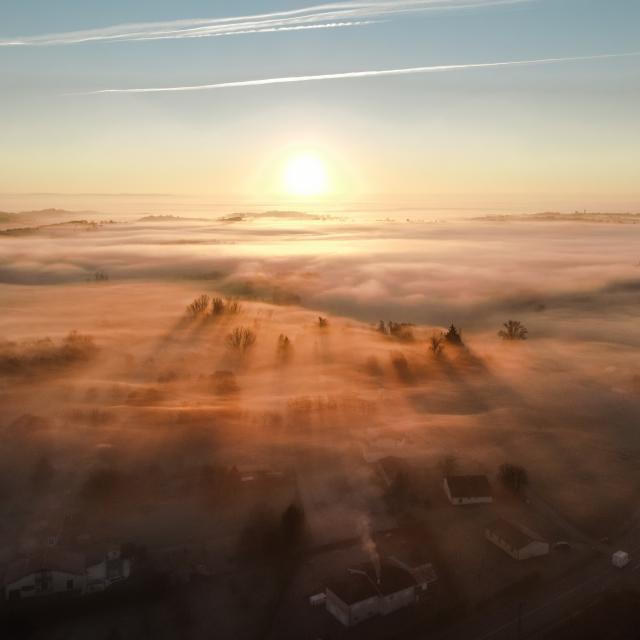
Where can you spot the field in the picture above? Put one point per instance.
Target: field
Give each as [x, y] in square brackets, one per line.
[150, 425]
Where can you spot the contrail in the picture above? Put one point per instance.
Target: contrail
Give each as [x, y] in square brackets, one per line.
[322, 16]
[362, 74]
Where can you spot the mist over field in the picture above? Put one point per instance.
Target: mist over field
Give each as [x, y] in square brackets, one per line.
[126, 410]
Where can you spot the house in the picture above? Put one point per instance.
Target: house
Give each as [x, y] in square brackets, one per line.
[365, 592]
[49, 572]
[463, 490]
[516, 540]
[106, 570]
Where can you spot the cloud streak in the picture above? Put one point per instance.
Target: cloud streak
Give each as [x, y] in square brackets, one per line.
[362, 74]
[324, 16]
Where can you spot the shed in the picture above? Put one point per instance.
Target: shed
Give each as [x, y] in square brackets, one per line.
[473, 489]
[516, 540]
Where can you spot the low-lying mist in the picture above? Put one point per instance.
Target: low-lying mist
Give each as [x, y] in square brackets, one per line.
[143, 363]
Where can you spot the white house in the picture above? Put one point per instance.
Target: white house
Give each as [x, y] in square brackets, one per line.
[463, 490]
[365, 593]
[516, 540]
[49, 572]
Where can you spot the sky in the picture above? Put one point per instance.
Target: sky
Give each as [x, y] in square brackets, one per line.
[559, 134]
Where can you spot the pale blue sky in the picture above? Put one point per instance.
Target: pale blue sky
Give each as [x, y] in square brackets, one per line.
[567, 132]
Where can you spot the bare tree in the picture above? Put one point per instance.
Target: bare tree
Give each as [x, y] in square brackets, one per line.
[513, 477]
[241, 339]
[284, 347]
[199, 305]
[217, 307]
[435, 344]
[513, 330]
[232, 306]
[322, 322]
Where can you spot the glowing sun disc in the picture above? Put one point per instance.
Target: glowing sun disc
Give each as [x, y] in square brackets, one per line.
[305, 175]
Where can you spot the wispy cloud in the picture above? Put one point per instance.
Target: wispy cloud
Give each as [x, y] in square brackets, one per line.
[362, 74]
[324, 16]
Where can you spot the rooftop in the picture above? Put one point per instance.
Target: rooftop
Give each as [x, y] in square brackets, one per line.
[50, 559]
[515, 535]
[355, 587]
[468, 486]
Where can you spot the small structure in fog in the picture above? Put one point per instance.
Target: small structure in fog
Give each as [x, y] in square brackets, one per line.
[106, 570]
[516, 540]
[620, 559]
[468, 489]
[365, 592]
[49, 572]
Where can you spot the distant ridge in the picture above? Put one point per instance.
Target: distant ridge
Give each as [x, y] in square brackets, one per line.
[576, 216]
[170, 218]
[282, 215]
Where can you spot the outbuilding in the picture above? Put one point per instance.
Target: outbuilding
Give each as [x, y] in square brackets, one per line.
[474, 489]
[516, 540]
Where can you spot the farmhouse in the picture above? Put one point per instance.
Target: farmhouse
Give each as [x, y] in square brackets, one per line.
[49, 572]
[364, 593]
[55, 571]
[518, 541]
[468, 489]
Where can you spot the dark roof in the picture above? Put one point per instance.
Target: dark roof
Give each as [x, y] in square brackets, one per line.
[468, 486]
[515, 535]
[51, 559]
[355, 587]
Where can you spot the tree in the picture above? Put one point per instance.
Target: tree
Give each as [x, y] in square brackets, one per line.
[401, 331]
[513, 477]
[284, 346]
[291, 524]
[217, 306]
[449, 465]
[436, 344]
[199, 305]
[513, 330]
[322, 322]
[453, 336]
[241, 339]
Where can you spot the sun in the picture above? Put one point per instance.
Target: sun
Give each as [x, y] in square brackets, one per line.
[305, 175]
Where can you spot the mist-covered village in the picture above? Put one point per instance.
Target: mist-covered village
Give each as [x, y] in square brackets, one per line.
[295, 426]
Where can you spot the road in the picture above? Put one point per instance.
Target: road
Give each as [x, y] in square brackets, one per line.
[543, 610]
